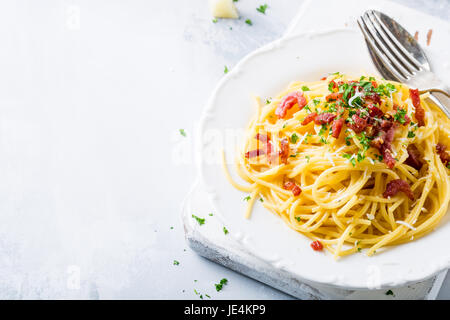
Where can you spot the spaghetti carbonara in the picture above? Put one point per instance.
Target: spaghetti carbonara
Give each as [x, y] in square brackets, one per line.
[353, 164]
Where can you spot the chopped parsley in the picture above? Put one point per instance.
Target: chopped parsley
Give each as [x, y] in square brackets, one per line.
[182, 132]
[350, 157]
[200, 221]
[225, 70]
[247, 198]
[411, 134]
[323, 129]
[294, 138]
[331, 107]
[176, 263]
[330, 86]
[297, 218]
[219, 286]
[262, 8]
[400, 115]
[210, 214]
[225, 231]
[347, 140]
[268, 101]
[214, 20]
[249, 22]
[261, 199]
[307, 159]
[307, 136]
[305, 88]
[316, 101]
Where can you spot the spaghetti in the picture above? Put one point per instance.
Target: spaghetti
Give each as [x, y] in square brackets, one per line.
[352, 164]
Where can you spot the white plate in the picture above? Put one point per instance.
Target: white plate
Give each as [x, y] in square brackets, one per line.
[266, 72]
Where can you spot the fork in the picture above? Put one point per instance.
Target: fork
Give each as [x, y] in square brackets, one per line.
[397, 55]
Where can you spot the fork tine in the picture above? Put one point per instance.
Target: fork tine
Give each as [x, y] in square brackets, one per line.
[390, 44]
[405, 52]
[378, 52]
[377, 39]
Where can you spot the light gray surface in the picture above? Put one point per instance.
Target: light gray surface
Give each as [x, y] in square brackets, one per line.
[82, 200]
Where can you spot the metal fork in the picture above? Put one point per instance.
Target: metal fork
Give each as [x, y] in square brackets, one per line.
[398, 56]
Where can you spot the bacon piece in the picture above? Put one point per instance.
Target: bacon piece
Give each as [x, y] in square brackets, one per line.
[420, 112]
[386, 124]
[414, 157]
[284, 150]
[324, 78]
[383, 142]
[407, 120]
[374, 111]
[262, 137]
[388, 159]
[374, 98]
[358, 125]
[333, 96]
[289, 101]
[266, 140]
[289, 185]
[397, 185]
[336, 127]
[441, 150]
[316, 245]
[310, 117]
[386, 148]
[378, 141]
[429, 33]
[255, 153]
[324, 118]
[390, 136]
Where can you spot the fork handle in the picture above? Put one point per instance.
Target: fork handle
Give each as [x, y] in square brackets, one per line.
[441, 106]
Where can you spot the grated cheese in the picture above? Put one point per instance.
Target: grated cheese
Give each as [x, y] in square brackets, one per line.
[406, 224]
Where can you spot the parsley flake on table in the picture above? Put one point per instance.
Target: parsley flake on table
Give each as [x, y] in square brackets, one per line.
[176, 263]
[225, 70]
[182, 132]
[225, 230]
[247, 198]
[390, 293]
[214, 20]
[249, 22]
[262, 8]
[219, 286]
[199, 220]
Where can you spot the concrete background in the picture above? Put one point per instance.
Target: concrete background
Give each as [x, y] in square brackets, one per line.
[92, 164]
